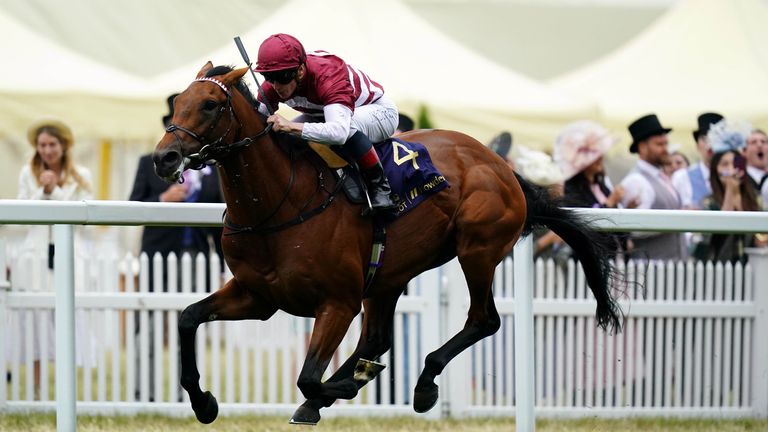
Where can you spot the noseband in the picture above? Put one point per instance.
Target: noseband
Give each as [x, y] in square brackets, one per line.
[214, 151]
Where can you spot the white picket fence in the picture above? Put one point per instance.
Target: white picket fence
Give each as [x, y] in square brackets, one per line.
[687, 347]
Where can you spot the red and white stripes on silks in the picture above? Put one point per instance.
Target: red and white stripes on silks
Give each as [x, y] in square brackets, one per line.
[364, 89]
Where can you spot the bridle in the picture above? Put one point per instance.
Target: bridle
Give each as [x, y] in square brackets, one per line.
[214, 151]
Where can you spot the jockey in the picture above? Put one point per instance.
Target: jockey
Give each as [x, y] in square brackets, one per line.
[340, 105]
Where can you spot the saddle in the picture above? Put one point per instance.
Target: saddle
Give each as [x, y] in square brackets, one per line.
[343, 170]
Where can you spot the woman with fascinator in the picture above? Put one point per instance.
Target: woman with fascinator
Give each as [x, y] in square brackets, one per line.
[579, 152]
[730, 191]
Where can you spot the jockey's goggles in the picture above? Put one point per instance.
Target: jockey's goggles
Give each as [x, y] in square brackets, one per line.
[280, 77]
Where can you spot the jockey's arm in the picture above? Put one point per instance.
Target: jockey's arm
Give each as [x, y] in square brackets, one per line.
[334, 130]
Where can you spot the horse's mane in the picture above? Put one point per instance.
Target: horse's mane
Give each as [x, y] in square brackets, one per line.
[240, 85]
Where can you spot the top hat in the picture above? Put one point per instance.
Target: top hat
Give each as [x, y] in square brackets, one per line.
[705, 121]
[167, 118]
[34, 130]
[644, 128]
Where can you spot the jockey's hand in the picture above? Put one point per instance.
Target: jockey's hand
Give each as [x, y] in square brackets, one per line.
[281, 124]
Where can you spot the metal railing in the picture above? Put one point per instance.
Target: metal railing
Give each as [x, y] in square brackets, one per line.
[64, 214]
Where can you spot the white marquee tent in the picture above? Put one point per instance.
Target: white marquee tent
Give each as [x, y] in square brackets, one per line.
[702, 55]
[41, 78]
[416, 64]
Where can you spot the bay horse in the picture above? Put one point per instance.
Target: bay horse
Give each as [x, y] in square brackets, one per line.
[294, 244]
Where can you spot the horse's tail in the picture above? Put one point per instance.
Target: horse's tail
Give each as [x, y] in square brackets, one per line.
[591, 247]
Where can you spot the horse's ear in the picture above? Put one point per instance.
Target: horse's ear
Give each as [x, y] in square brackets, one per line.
[232, 77]
[206, 67]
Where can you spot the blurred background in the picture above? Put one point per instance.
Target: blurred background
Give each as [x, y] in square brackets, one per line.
[476, 66]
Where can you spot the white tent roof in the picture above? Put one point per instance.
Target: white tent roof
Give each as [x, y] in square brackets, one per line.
[40, 78]
[37, 65]
[702, 55]
[414, 62]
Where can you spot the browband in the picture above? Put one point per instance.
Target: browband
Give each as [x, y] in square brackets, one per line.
[215, 81]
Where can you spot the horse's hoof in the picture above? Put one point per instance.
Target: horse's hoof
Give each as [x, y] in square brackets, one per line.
[305, 415]
[425, 397]
[206, 411]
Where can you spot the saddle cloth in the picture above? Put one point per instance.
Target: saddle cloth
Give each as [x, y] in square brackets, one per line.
[408, 167]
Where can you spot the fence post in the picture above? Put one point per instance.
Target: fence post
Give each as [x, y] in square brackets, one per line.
[758, 260]
[5, 286]
[524, 348]
[430, 288]
[454, 308]
[64, 278]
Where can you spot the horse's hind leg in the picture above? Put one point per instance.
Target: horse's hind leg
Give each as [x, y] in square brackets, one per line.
[375, 340]
[483, 320]
[231, 302]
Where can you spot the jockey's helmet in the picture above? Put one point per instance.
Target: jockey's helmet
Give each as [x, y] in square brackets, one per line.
[280, 52]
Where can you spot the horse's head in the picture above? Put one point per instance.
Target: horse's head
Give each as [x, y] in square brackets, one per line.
[203, 121]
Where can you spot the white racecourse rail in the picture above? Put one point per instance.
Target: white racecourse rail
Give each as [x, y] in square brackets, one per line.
[690, 347]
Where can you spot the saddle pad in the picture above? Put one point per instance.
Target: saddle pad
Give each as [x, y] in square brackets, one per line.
[410, 171]
[329, 156]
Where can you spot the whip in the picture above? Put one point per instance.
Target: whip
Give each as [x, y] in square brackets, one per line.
[247, 61]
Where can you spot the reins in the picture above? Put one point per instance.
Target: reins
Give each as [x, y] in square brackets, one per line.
[217, 150]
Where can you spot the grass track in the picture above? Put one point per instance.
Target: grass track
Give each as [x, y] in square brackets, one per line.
[47, 422]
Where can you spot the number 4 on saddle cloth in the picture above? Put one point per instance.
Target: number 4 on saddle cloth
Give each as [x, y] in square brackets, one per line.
[409, 169]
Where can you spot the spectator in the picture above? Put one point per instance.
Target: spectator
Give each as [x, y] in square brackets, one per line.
[52, 175]
[648, 186]
[731, 190]
[677, 161]
[199, 187]
[693, 184]
[538, 168]
[405, 124]
[756, 154]
[579, 152]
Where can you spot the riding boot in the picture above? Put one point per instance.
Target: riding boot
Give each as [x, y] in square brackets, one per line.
[378, 188]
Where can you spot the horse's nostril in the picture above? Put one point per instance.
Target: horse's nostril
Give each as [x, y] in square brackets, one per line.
[167, 161]
[171, 158]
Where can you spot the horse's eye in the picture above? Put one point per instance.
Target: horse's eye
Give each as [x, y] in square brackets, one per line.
[210, 105]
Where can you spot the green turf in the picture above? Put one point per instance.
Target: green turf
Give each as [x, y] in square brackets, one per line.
[46, 422]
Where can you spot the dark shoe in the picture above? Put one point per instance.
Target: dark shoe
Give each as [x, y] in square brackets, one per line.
[378, 189]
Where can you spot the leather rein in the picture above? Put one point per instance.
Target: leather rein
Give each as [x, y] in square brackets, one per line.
[217, 150]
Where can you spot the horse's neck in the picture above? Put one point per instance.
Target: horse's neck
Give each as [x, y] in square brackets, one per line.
[256, 181]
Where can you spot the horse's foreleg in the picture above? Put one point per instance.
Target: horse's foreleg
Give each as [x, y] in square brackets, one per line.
[375, 340]
[232, 302]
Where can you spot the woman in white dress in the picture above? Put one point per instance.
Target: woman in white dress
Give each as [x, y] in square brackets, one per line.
[50, 175]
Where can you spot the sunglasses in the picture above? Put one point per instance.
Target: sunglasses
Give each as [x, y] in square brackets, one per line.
[280, 77]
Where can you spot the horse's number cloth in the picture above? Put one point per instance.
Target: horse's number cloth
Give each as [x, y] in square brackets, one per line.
[410, 171]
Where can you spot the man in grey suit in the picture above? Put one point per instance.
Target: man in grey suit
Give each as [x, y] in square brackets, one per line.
[647, 184]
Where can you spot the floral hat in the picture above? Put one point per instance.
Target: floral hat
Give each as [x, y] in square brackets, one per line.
[579, 145]
[728, 135]
[537, 167]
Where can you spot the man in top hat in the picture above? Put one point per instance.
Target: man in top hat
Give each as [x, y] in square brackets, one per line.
[693, 184]
[647, 184]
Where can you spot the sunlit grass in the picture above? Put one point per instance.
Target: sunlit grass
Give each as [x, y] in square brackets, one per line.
[47, 422]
